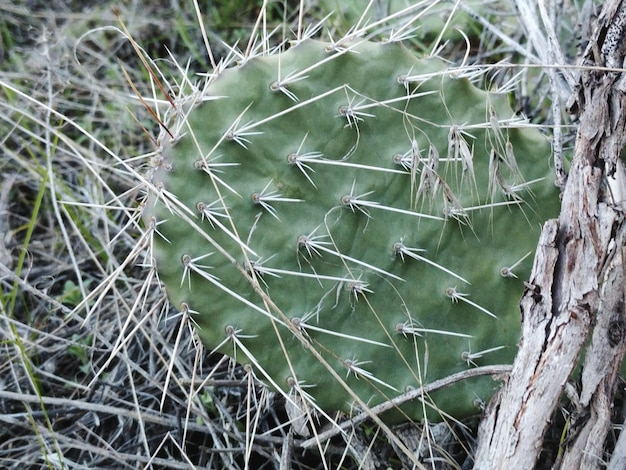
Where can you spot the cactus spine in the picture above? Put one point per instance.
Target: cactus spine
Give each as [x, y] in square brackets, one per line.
[349, 212]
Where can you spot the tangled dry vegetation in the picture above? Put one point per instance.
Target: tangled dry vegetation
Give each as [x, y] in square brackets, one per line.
[96, 369]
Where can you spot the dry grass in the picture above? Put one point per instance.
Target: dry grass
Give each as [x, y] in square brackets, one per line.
[96, 369]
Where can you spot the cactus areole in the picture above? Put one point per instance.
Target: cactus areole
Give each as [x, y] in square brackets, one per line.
[351, 213]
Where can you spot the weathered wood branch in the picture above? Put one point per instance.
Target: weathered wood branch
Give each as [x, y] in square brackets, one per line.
[576, 289]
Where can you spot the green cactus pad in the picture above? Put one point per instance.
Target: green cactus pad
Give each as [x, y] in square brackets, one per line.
[328, 198]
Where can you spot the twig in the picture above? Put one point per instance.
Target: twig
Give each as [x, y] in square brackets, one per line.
[408, 396]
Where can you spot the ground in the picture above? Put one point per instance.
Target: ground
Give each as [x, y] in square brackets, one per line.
[97, 370]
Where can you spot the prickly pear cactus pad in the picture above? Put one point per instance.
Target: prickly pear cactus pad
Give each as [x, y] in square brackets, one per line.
[351, 208]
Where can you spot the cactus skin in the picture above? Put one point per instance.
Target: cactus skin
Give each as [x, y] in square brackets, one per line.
[268, 203]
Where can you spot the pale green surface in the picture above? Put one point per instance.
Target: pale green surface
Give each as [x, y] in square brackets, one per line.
[496, 238]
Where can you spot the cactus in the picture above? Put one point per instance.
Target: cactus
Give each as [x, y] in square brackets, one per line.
[347, 212]
[435, 19]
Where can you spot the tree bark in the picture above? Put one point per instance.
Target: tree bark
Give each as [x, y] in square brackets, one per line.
[576, 288]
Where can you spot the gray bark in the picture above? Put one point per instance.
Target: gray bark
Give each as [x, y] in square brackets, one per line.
[576, 290]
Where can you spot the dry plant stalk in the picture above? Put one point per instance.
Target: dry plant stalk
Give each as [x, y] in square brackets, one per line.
[576, 289]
